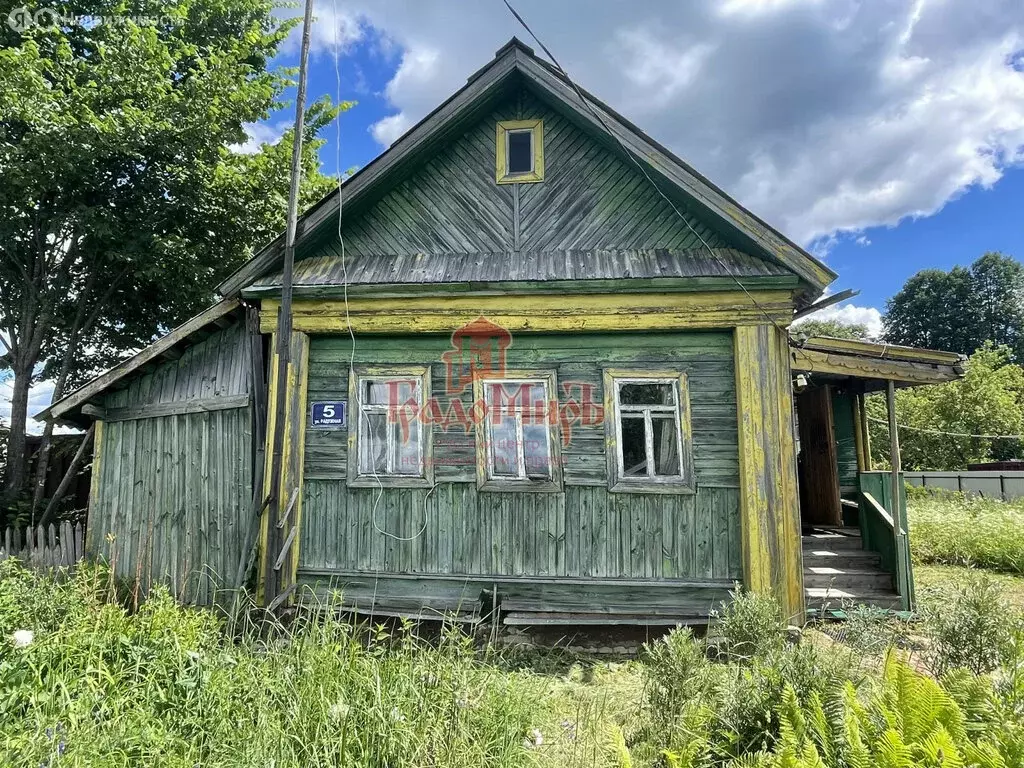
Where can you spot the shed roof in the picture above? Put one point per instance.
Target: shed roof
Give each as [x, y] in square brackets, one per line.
[516, 62]
[875, 364]
[169, 347]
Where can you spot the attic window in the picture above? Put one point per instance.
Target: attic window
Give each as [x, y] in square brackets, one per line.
[520, 151]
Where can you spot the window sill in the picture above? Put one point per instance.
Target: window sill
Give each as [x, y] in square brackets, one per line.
[677, 487]
[389, 481]
[520, 486]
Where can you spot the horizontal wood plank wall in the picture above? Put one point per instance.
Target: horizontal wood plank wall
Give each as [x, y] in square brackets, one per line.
[173, 493]
[584, 531]
[770, 513]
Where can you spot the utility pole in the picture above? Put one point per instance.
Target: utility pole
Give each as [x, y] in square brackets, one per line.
[272, 585]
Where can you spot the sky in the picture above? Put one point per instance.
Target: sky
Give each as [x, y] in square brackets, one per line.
[885, 137]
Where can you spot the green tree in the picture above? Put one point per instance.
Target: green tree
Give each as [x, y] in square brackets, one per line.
[961, 309]
[121, 204]
[837, 329]
[986, 401]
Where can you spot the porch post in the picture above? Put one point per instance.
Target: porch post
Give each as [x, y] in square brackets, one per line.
[894, 448]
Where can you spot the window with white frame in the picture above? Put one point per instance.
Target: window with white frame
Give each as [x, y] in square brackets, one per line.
[390, 442]
[650, 430]
[516, 444]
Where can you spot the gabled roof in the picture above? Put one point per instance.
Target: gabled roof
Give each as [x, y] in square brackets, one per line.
[167, 348]
[516, 60]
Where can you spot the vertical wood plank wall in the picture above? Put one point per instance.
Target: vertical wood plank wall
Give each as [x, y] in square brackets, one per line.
[769, 509]
[584, 531]
[172, 494]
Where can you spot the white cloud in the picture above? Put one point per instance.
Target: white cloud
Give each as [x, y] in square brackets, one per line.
[258, 134]
[39, 397]
[820, 117]
[849, 314]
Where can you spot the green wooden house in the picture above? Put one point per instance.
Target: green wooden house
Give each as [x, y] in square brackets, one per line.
[544, 369]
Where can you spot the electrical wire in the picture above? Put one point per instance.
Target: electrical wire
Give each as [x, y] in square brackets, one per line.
[947, 434]
[348, 316]
[604, 124]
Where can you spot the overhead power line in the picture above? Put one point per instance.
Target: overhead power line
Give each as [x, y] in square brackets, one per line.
[947, 434]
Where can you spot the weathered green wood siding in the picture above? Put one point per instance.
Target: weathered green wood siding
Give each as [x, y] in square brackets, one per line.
[590, 198]
[173, 498]
[584, 531]
[846, 442]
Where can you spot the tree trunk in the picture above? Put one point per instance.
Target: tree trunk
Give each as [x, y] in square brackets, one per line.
[17, 461]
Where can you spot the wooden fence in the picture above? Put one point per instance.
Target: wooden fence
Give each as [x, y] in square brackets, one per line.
[992, 484]
[48, 547]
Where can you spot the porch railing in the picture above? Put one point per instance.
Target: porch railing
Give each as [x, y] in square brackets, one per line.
[883, 526]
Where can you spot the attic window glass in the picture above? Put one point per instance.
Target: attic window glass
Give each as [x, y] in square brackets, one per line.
[651, 432]
[520, 151]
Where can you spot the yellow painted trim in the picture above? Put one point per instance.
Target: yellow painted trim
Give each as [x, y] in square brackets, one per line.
[856, 366]
[501, 156]
[95, 477]
[769, 502]
[268, 464]
[295, 441]
[540, 313]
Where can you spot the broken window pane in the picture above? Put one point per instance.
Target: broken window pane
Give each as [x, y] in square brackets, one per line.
[647, 394]
[520, 151]
[666, 445]
[634, 446]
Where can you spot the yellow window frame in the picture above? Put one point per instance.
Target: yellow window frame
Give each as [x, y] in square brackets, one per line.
[536, 127]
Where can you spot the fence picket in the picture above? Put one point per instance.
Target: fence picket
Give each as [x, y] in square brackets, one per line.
[52, 547]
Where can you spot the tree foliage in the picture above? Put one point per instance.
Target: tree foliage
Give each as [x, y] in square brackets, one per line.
[122, 204]
[837, 329]
[961, 309]
[988, 400]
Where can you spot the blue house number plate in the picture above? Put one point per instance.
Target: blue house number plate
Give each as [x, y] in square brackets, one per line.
[329, 415]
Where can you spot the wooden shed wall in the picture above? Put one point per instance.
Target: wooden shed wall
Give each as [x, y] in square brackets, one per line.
[172, 499]
[585, 532]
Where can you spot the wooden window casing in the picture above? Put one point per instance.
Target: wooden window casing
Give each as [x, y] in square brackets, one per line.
[683, 481]
[489, 478]
[359, 429]
[505, 129]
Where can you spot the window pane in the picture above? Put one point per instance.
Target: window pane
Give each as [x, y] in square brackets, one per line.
[389, 391]
[407, 448]
[666, 445]
[634, 447]
[373, 443]
[536, 450]
[520, 151]
[503, 450]
[647, 394]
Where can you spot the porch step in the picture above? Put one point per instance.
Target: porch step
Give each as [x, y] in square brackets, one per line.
[839, 572]
[818, 598]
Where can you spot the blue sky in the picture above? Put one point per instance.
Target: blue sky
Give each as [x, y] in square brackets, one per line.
[886, 137]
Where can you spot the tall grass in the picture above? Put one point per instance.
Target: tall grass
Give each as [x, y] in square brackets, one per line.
[168, 686]
[953, 529]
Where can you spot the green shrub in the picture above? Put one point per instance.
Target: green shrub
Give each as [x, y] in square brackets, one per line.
[970, 626]
[954, 529]
[749, 625]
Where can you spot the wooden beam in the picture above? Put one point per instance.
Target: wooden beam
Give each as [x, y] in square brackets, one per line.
[864, 367]
[199, 405]
[828, 301]
[769, 506]
[538, 313]
[122, 369]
